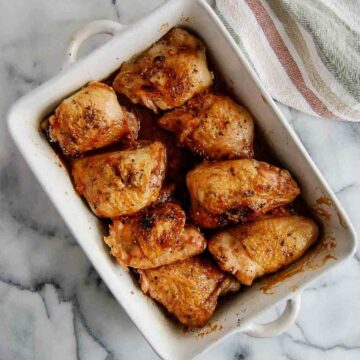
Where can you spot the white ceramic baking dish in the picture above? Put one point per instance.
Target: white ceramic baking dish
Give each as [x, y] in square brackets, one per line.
[236, 314]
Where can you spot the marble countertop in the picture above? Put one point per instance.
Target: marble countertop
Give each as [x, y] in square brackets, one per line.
[53, 305]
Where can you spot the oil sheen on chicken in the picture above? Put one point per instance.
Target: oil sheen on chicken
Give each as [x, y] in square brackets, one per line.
[154, 236]
[121, 182]
[172, 71]
[90, 119]
[189, 289]
[213, 126]
[263, 246]
[231, 191]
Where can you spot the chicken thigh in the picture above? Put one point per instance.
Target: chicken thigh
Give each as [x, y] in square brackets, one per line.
[90, 119]
[230, 191]
[230, 285]
[121, 182]
[263, 246]
[189, 288]
[212, 126]
[172, 71]
[154, 236]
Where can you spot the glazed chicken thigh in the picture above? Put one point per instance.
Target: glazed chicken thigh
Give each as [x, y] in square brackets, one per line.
[189, 289]
[154, 236]
[121, 182]
[168, 74]
[212, 126]
[230, 191]
[90, 119]
[263, 246]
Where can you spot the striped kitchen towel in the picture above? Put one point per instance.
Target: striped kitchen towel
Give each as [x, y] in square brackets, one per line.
[306, 52]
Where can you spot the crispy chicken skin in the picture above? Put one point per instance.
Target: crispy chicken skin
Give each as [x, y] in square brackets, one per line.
[262, 247]
[212, 126]
[189, 288]
[90, 119]
[230, 191]
[168, 74]
[121, 182]
[153, 237]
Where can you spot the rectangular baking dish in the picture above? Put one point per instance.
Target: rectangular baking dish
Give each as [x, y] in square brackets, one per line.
[338, 241]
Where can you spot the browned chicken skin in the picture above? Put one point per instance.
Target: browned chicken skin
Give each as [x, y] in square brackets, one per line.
[213, 126]
[168, 74]
[230, 191]
[121, 182]
[189, 288]
[90, 119]
[263, 246]
[230, 285]
[154, 236]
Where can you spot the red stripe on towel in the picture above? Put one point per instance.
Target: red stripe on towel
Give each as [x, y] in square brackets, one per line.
[286, 59]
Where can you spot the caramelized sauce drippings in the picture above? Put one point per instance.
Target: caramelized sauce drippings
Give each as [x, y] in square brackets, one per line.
[209, 329]
[324, 200]
[341, 220]
[321, 212]
[310, 261]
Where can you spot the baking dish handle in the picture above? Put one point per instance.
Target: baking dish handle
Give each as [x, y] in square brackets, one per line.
[88, 30]
[280, 325]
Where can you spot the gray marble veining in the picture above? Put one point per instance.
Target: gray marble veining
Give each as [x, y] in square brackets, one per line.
[53, 305]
